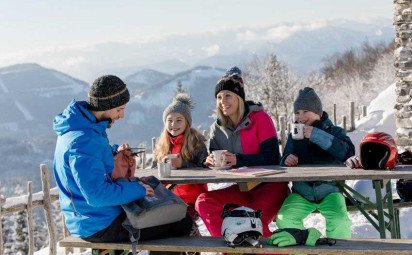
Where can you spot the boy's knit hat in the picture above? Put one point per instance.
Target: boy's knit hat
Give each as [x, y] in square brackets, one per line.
[107, 92]
[181, 103]
[308, 100]
[232, 81]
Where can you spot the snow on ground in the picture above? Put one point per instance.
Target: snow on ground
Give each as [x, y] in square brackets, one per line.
[380, 118]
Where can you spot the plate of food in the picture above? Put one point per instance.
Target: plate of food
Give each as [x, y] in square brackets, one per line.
[220, 167]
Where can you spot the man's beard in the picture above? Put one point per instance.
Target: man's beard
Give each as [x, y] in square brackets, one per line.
[110, 122]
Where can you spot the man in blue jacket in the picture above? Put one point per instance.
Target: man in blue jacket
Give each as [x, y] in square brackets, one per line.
[83, 164]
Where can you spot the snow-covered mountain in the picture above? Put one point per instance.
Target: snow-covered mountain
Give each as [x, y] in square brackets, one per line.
[143, 79]
[143, 118]
[302, 45]
[30, 96]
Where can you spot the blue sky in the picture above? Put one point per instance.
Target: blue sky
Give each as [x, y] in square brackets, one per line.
[38, 25]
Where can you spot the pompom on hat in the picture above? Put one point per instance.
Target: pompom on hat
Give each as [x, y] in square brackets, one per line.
[232, 81]
[107, 92]
[181, 103]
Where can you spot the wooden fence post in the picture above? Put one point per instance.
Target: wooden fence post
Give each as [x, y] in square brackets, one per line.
[344, 122]
[282, 125]
[48, 208]
[364, 111]
[352, 116]
[144, 159]
[66, 233]
[30, 222]
[2, 200]
[334, 114]
[153, 144]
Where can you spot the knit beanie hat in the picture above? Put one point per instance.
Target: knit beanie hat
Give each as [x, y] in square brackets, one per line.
[308, 100]
[182, 104]
[232, 81]
[107, 92]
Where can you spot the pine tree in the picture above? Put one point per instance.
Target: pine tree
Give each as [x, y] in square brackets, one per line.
[179, 87]
[21, 242]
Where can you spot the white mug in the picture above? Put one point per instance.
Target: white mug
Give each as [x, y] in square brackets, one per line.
[297, 131]
[219, 158]
[164, 170]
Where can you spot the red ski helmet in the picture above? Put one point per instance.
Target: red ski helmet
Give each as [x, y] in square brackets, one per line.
[378, 151]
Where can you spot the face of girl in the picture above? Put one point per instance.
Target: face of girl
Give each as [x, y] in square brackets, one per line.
[175, 123]
[306, 117]
[227, 102]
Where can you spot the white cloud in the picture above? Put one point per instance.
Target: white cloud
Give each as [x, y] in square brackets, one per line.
[211, 50]
[72, 61]
[248, 35]
[282, 32]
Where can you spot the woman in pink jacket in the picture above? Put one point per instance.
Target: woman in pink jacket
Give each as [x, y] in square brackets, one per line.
[248, 134]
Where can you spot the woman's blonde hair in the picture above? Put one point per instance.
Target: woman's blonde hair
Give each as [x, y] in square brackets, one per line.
[192, 141]
[226, 121]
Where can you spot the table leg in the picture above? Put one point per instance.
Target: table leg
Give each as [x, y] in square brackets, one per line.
[379, 207]
[393, 216]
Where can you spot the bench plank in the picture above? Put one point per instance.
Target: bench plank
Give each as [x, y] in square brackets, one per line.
[215, 244]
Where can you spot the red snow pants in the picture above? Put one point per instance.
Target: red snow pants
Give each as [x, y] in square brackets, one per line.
[267, 197]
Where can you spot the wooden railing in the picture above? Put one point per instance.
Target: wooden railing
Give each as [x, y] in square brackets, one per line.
[28, 202]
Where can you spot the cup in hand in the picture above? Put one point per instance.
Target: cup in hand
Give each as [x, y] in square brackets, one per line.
[169, 157]
[297, 131]
[219, 157]
[164, 169]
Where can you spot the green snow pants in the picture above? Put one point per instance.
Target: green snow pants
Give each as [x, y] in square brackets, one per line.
[295, 209]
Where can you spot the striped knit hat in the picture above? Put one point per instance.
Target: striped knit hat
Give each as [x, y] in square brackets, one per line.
[107, 92]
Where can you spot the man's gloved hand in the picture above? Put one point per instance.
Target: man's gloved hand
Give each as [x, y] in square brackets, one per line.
[353, 162]
[293, 236]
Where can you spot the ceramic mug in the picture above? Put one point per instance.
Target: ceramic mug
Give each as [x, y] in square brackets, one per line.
[297, 131]
[219, 158]
[164, 170]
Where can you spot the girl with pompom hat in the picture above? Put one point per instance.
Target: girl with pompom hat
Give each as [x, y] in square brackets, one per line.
[179, 138]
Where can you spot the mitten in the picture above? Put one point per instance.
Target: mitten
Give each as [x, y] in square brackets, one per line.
[293, 236]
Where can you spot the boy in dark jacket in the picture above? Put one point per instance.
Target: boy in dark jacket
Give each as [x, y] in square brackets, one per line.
[323, 143]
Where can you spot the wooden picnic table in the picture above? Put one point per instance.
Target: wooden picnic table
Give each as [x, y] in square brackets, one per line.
[382, 220]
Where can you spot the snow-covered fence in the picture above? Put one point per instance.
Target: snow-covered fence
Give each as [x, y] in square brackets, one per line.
[27, 202]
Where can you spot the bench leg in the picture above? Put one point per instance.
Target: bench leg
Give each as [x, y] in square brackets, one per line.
[109, 252]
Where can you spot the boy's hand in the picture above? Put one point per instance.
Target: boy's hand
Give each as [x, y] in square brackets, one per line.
[291, 160]
[353, 162]
[307, 131]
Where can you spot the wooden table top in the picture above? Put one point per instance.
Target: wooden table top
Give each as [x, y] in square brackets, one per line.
[301, 173]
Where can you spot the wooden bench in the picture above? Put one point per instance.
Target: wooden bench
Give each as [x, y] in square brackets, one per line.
[215, 244]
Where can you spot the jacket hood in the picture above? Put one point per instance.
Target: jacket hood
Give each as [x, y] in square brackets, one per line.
[77, 117]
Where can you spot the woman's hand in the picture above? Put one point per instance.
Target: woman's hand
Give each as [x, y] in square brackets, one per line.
[209, 160]
[291, 160]
[229, 159]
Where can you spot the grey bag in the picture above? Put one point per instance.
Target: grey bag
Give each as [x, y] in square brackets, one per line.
[151, 211]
